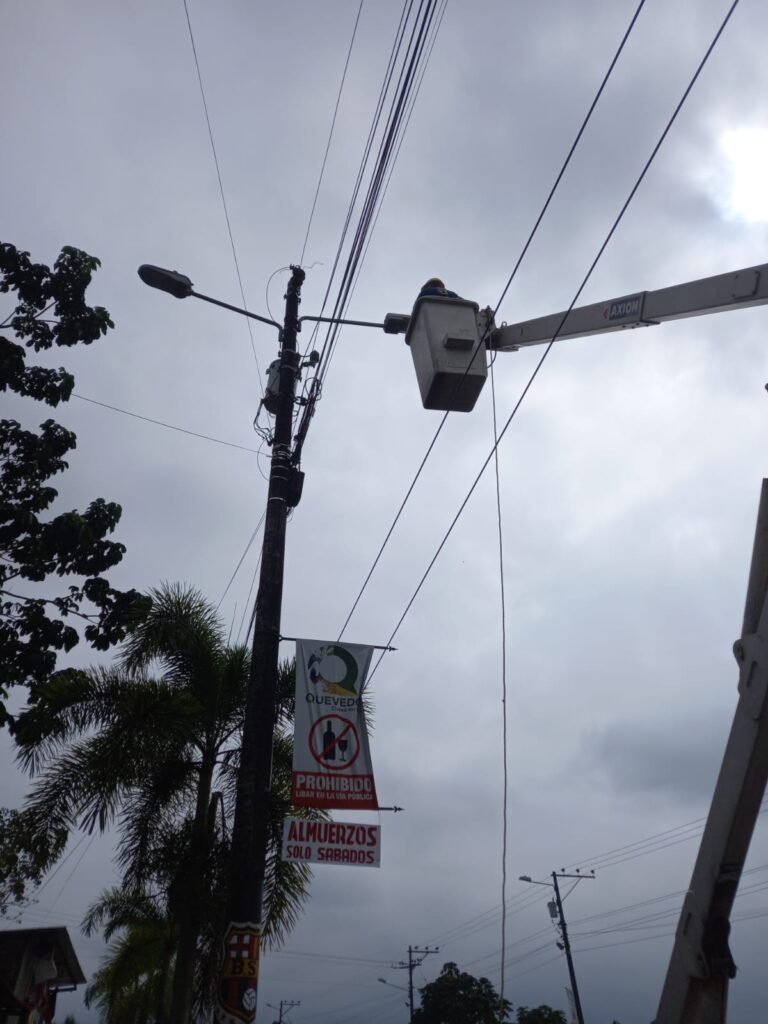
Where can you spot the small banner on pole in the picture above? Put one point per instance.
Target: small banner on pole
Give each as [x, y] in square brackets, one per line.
[331, 758]
[236, 1003]
[572, 1006]
[331, 842]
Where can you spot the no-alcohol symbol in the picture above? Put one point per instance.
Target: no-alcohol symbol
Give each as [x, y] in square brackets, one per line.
[334, 743]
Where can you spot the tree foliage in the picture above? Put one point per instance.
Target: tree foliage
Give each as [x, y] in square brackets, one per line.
[50, 311]
[133, 981]
[152, 744]
[539, 1015]
[456, 997]
[26, 851]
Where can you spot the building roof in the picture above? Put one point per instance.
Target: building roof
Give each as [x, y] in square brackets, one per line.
[13, 943]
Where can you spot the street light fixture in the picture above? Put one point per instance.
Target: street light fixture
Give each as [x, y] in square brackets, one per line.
[171, 281]
[392, 984]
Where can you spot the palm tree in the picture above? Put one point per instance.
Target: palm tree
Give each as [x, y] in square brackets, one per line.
[152, 743]
[132, 985]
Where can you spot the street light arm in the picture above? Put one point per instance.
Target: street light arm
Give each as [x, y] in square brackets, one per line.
[236, 309]
[735, 290]
[180, 286]
[336, 320]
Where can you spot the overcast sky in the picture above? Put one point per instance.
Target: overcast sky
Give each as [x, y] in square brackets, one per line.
[629, 480]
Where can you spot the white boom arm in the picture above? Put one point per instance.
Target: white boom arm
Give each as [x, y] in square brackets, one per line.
[696, 987]
[736, 290]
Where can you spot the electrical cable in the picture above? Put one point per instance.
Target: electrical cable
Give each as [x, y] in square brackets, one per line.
[168, 426]
[240, 562]
[60, 865]
[330, 133]
[516, 267]
[383, 195]
[221, 189]
[504, 757]
[247, 604]
[408, 72]
[266, 289]
[407, 77]
[490, 917]
[560, 326]
[67, 880]
[405, 12]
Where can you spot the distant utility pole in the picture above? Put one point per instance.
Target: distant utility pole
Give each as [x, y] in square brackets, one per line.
[285, 1004]
[557, 906]
[416, 956]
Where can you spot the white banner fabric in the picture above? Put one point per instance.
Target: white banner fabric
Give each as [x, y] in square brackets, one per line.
[331, 842]
[331, 758]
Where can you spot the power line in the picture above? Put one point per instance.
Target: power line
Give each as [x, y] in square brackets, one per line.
[505, 767]
[330, 133]
[366, 151]
[161, 423]
[247, 604]
[563, 319]
[240, 562]
[525, 899]
[67, 880]
[221, 189]
[408, 76]
[380, 200]
[516, 267]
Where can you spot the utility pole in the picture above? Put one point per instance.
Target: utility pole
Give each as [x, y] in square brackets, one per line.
[565, 945]
[416, 956]
[252, 810]
[566, 942]
[285, 1004]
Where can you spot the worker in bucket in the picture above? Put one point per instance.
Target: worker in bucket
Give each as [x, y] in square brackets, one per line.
[435, 287]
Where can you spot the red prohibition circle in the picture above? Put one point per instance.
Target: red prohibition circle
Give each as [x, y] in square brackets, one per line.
[347, 727]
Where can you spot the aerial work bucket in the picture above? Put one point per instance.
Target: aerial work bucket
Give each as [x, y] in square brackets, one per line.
[448, 354]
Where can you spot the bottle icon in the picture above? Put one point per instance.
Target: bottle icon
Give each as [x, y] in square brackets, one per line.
[329, 744]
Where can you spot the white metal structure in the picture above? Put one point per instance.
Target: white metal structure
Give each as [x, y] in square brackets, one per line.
[448, 353]
[696, 986]
[737, 290]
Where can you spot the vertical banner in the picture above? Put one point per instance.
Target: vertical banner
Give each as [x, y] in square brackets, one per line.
[331, 758]
[239, 979]
[572, 1006]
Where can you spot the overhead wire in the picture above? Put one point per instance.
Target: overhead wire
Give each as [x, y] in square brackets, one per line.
[504, 751]
[251, 539]
[330, 133]
[247, 604]
[363, 162]
[511, 278]
[526, 898]
[221, 188]
[161, 423]
[548, 348]
[407, 77]
[380, 199]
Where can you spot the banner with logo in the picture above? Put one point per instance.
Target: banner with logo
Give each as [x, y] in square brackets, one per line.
[331, 758]
[236, 1003]
[331, 842]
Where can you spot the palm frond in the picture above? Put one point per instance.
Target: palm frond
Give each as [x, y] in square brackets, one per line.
[182, 633]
